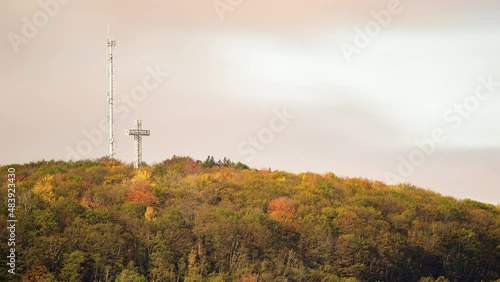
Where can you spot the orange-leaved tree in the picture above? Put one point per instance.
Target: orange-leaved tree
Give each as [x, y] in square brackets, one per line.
[140, 189]
[282, 209]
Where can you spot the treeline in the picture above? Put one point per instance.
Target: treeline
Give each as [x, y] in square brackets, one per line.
[188, 220]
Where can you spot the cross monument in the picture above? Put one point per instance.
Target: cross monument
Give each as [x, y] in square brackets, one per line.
[138, 132]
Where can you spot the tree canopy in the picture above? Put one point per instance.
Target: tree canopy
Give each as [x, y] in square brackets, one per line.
[189, 220]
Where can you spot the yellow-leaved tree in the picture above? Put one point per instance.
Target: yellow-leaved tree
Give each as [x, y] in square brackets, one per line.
[44, 189]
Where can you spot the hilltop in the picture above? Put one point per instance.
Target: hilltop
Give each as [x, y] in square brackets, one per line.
[188, 220]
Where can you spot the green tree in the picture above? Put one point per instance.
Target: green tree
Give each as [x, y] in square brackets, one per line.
[73, 268]
[130, 274]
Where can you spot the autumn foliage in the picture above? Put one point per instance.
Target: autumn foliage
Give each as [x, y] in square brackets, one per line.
[281, 209]
[216, 220]
[141, 192]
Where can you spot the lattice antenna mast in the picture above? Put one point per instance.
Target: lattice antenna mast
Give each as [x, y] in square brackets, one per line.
[111, 43]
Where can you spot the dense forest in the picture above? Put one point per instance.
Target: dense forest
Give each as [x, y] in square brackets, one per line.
[188, 220]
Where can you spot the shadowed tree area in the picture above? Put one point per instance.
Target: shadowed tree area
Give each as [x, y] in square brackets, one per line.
[188, 220]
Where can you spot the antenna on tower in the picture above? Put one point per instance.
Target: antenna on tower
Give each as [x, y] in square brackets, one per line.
[111, 43]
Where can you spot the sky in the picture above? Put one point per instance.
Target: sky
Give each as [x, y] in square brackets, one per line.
[398, 91]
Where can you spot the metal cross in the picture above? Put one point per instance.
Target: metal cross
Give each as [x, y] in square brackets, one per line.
[138, 132]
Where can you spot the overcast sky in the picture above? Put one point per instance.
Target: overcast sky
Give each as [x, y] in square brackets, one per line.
[234, 67]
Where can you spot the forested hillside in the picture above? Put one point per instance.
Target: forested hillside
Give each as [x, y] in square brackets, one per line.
[187, 220]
